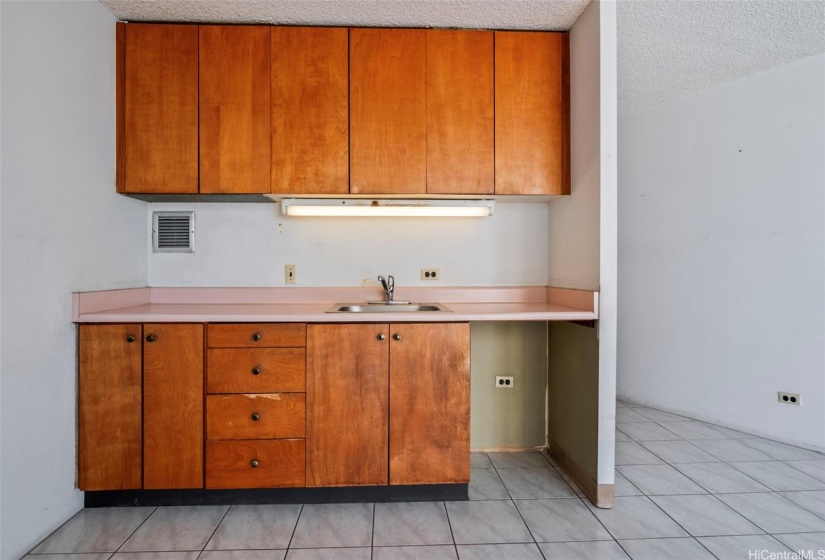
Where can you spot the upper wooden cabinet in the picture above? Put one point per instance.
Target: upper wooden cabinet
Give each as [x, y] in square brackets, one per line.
[388, 111]
[459, 112]
[310, 120]
[336, 111]
[532, 113]
[234, 109]
[157, 108]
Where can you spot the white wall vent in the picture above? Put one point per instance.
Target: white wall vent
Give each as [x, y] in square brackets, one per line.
[173, 232]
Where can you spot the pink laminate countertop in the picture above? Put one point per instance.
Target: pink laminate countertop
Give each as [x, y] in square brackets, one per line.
[229, 305]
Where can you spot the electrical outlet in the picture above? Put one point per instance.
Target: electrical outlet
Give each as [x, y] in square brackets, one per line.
[788, 398]
[289, 274]
[430, 274]
[504, 382]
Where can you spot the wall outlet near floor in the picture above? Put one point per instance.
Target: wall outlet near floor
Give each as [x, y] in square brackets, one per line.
[788, 398]
[430, 274]
[504, 382]
[289, 274]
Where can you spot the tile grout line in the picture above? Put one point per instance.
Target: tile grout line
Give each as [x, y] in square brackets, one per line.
[215, 530]
[450, 524]
[372, 532]
[132, 534]
[44, 539]
[295, 528]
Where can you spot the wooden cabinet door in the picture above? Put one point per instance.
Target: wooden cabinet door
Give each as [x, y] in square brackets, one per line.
[388, 111]
[430, 403]
[157, 104]
[310, 110]
[459, 112]
[532, 113]
[234, 109]
[347, 384]
[109, 408]
[172, 406]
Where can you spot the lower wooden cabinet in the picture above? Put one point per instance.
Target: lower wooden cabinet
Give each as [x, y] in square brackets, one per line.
[110, 440]
[348, 405]
[172, 406]
[388, 404]
[255, 463]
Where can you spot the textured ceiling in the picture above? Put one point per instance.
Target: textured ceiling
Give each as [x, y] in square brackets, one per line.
[671, 48]
[498, 14]
[666, 48]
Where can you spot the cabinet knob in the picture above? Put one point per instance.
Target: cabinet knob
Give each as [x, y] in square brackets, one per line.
[396, 336]
[255, 416]
[150, 338]
[381, 336]
[256, 370]
[254, 463]
[256, 336]
[130, 338]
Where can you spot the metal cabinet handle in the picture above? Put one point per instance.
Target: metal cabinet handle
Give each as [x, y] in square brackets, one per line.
[130, 338]
[256, 337]
[254, 463]
[256, 370]
[381, 336]
[150, 338]
[255, 416]
[396, 336]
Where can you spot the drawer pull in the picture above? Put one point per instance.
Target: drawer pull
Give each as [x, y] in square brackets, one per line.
[130, 338]
[150, 338]
[256, 370]
[396, 336]
[381, 336]
[254, 464]
[255, 416]
[256, 337]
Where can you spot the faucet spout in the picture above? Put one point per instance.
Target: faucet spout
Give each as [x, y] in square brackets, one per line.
[389, 287]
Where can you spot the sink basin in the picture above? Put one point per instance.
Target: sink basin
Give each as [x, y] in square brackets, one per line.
[386, 308]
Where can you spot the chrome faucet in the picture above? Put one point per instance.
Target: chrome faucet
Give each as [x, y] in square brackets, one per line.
[389, 291]
[389, 288]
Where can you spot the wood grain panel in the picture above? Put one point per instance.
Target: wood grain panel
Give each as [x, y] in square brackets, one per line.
[173, 406]
[110, 454]
[279, 415]
[430, 403]
[160, 89]
[388, 115]
[260, 335]
[310, 110]
[234, 109]
[459, 112]
[347, 383]
[256, 370]
[531, 113]
[280, 463]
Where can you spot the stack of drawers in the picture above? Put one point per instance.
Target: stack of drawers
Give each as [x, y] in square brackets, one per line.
[256, 405]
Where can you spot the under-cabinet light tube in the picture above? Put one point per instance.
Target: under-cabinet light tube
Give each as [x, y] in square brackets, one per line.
[387, 207]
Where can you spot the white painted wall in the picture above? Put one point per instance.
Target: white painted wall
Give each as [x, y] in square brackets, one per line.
[582, 245]
[63, 229]
[249, 244]
[722, 254]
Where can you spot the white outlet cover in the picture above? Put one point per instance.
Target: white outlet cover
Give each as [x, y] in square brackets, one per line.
[504, 382]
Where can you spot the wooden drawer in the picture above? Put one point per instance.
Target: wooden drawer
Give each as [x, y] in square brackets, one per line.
[257, 335]
[256, 370]
[280, 463]
[278, 415]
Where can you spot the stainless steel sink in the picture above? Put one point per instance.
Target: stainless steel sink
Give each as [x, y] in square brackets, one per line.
[386, 308]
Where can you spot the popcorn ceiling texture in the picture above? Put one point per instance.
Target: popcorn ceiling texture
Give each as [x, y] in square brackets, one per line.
[666, 48]
[672, 48]
[555, 15]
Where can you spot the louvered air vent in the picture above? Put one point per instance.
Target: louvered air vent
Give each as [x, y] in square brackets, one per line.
[173, 232]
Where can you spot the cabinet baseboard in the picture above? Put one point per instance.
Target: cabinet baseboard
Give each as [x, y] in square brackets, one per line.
[346, 494]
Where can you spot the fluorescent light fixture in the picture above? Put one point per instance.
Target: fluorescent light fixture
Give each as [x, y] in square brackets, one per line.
[386, 207]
